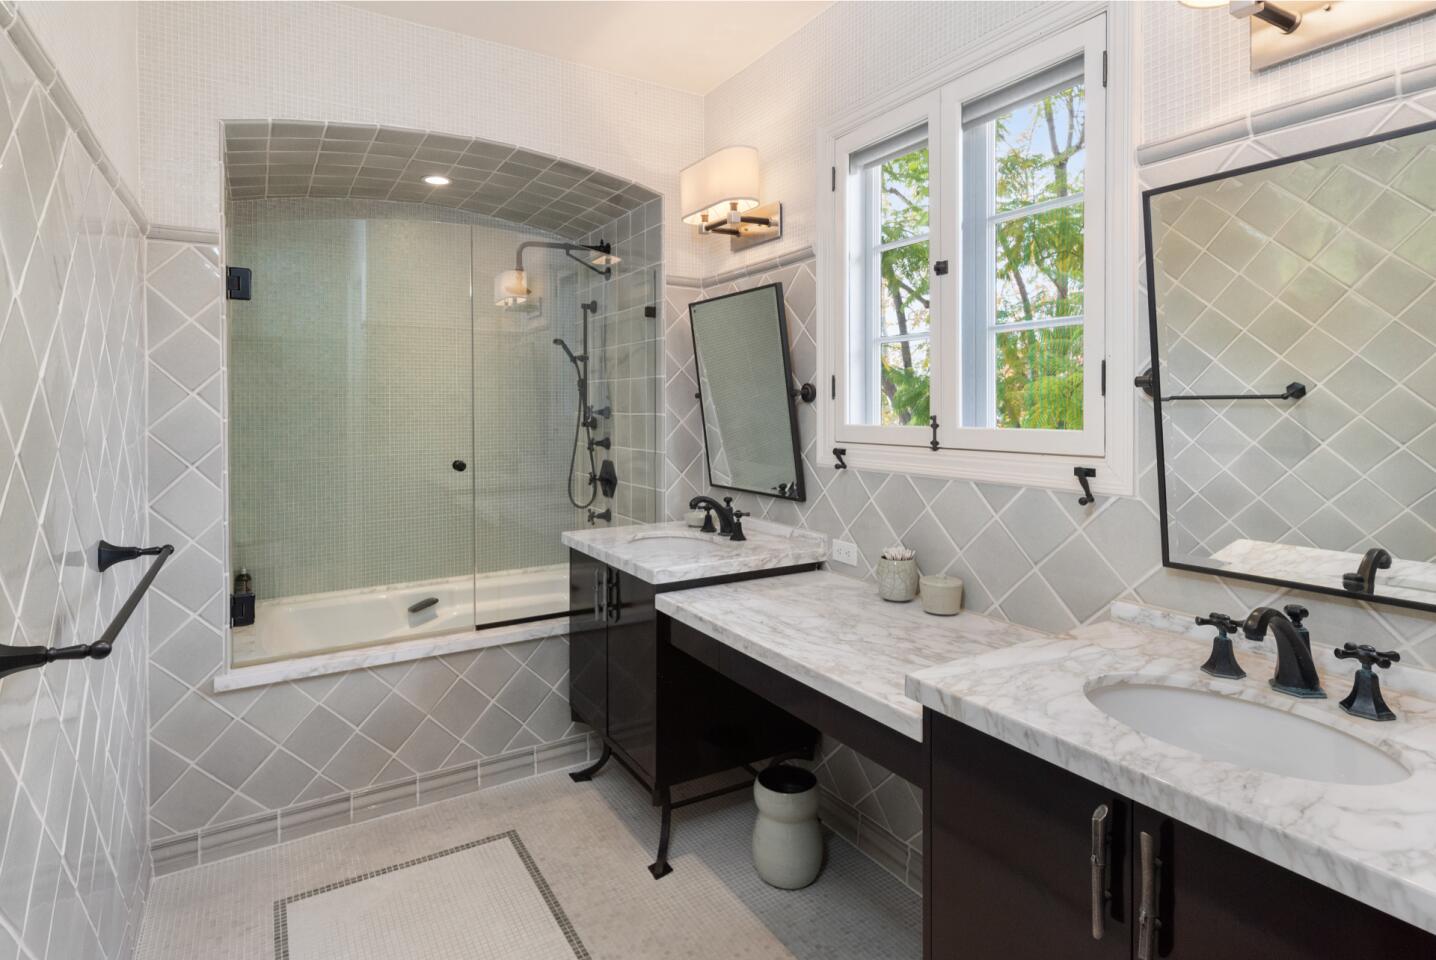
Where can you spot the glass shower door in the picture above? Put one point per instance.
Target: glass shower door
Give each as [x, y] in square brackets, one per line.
[525, 407]
[351, 428]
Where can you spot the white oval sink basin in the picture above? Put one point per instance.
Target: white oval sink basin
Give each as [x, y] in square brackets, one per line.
[680, 543]
[1247, 734]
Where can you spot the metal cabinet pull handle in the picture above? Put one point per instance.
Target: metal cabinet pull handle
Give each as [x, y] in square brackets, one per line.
[1147, 920]
[598, 579]
[1098, 857]
[614, 605]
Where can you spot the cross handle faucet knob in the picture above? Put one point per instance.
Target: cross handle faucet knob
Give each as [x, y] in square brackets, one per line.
[1367, 655]
[1296, 613]
[1221, 621]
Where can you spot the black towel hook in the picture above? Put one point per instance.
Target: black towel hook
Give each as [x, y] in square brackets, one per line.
[1083, 474]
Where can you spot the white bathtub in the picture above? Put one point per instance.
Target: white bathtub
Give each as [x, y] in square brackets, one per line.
[345, 619]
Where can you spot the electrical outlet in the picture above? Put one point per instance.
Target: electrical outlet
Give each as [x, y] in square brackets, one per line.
[845, 552]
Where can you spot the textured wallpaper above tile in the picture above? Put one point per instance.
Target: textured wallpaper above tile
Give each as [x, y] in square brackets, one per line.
[74, 870]
[206, 62]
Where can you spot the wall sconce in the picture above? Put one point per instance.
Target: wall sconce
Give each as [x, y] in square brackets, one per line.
[1293, 28]
[719, 194]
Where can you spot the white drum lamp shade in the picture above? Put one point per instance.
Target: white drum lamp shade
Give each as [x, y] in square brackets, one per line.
[510, 288]
[712, 187]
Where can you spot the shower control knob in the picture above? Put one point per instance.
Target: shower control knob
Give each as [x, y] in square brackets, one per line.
[460, 466]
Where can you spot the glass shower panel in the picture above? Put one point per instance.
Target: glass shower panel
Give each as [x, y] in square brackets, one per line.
[525, 409]
[352, 460]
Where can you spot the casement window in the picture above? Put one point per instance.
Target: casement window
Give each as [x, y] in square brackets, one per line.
[966, 254]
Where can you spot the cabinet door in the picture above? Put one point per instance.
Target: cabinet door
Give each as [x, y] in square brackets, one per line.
[587, 642]
[1216, 900]
[1008, 855]
[633, 670]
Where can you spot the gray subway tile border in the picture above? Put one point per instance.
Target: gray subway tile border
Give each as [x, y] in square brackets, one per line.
[220, 842]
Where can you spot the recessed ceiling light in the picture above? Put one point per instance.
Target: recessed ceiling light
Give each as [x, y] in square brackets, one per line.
[434, 180]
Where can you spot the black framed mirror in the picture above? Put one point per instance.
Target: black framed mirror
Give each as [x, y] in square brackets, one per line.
[1292, 309]
[746, 394]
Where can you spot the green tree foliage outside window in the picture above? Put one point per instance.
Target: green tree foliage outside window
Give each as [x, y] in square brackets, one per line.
[1038, 271]
[906, 301]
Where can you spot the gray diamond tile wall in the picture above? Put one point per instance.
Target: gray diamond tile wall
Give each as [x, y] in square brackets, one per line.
[75, 869]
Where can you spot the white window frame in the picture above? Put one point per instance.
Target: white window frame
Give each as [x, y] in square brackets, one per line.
[973, 266]
[855, 266]
[1030, 457]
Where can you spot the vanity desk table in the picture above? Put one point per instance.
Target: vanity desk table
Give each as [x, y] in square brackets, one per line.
[828, 651]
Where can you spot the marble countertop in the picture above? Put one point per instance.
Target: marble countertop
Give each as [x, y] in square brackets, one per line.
[1375, 843]
[661, 553]
[836, 635]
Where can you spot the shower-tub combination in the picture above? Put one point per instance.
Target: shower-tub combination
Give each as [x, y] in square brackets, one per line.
[404, 452]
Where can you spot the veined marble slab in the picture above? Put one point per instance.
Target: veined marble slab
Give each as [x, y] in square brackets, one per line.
[1375, 843]
[661, 553]
[1405, 580]
[836, 635]
[342, 661]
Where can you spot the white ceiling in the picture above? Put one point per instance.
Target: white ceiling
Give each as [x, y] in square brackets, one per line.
[691, 45]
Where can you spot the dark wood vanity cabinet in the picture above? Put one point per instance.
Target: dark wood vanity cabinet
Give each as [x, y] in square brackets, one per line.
[667, 717]
[1009, 847]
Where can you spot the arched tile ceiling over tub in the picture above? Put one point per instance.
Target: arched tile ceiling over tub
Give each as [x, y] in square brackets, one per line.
[266, 159]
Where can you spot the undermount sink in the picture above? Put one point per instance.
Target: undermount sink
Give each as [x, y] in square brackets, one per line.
[673, 538]
[1248, 734]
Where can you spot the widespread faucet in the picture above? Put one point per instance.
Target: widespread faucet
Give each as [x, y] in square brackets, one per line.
[1295, 669]
[723, 510]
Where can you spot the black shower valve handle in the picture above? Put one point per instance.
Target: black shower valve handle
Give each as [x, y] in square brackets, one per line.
[1367, 655]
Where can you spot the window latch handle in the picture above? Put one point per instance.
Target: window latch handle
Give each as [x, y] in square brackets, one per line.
[940, 268]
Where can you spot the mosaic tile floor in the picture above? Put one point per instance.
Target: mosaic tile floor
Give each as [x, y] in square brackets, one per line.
[590, 845]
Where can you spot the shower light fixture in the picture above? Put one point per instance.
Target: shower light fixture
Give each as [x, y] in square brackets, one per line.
[1289, 29]
[436, 180]
[511, 289]
[719, 194]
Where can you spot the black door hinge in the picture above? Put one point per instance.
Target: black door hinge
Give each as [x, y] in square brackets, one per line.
[236, 283]
[1104, 68]
[835, 179]
[1104, 378]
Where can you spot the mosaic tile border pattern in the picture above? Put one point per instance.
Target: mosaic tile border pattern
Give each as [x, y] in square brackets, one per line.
[580, 952]
[289, 158]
